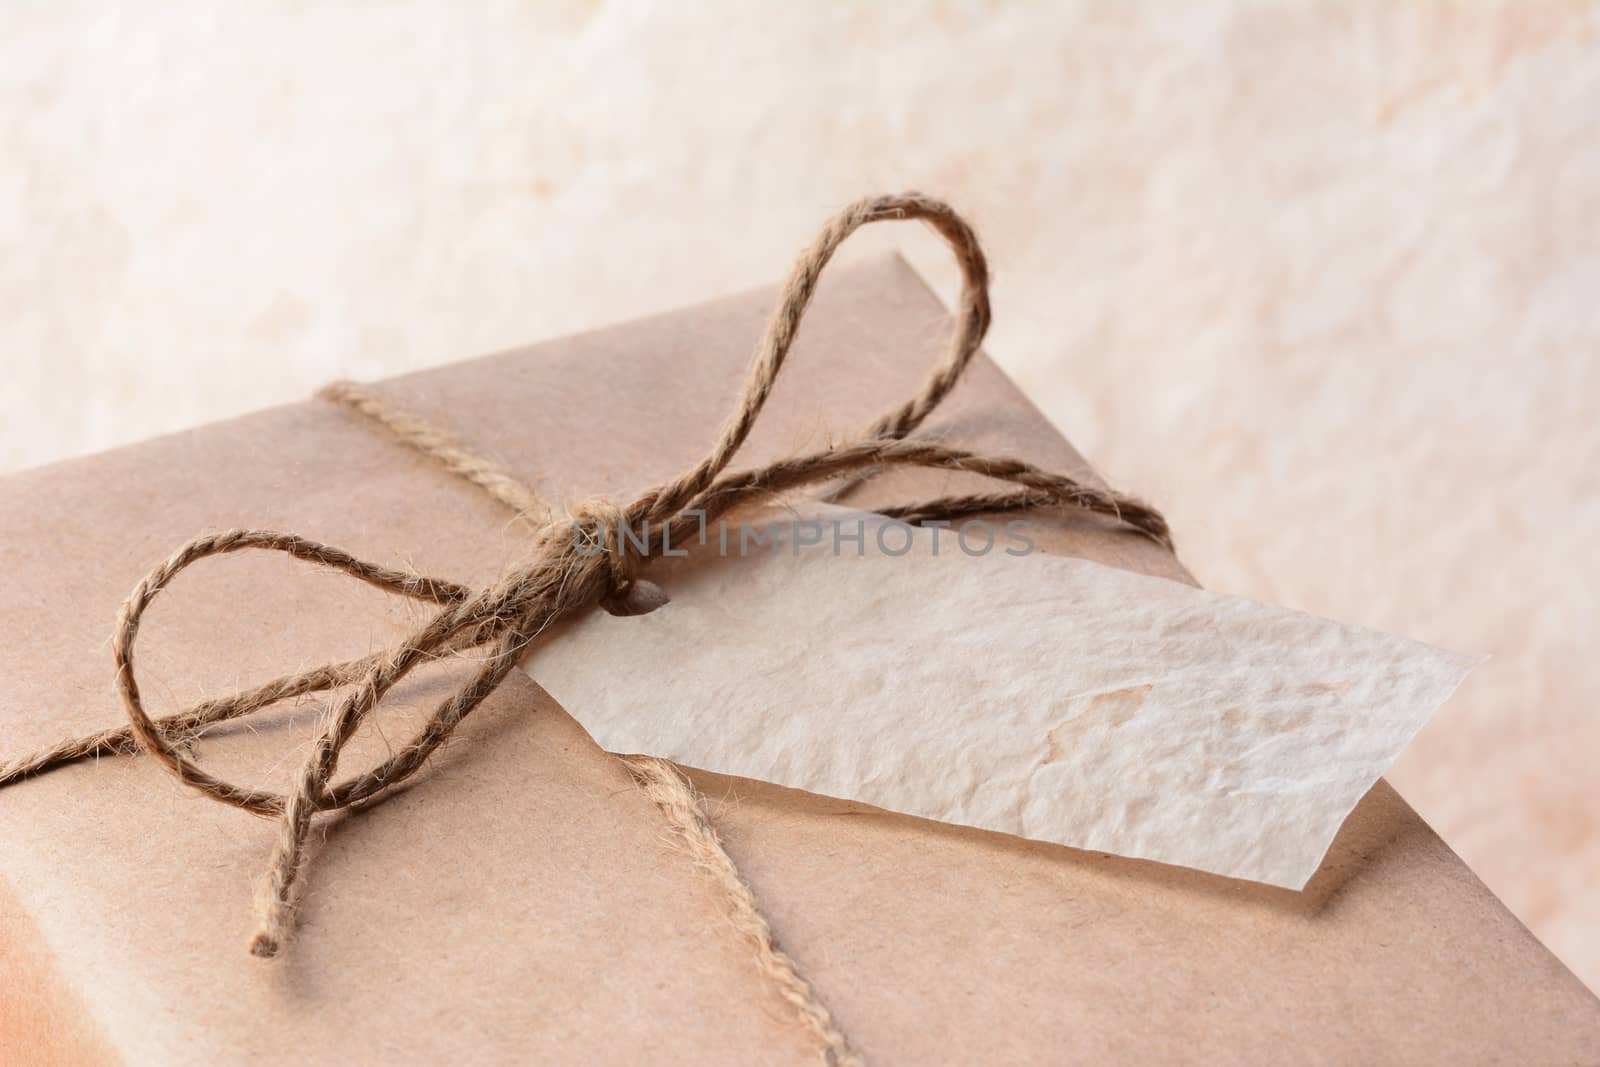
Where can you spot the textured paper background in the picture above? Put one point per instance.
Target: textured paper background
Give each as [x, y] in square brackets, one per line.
[1056, 699]
[1318, 278]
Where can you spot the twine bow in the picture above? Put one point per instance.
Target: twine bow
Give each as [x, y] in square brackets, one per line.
[571, 565]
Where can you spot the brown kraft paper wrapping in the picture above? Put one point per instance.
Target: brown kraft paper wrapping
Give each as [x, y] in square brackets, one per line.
[519, 900]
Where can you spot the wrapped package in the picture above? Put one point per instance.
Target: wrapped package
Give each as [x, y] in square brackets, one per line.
[519, 899]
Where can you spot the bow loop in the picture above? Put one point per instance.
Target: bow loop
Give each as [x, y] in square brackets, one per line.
[159, 740]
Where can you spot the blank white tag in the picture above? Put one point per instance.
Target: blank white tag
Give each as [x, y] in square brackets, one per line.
[1052, 698]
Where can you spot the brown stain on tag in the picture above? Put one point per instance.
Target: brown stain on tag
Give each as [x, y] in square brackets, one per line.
[1112, 708]
[1272, 724]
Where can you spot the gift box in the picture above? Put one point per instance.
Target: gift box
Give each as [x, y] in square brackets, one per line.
[519, 899]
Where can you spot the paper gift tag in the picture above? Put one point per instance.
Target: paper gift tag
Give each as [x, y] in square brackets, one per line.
[965, 679]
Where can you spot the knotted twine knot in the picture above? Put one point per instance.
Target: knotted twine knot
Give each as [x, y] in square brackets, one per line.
[575, 563]
[599, 527]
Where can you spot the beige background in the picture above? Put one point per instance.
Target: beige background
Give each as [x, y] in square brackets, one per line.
[1324, 281]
